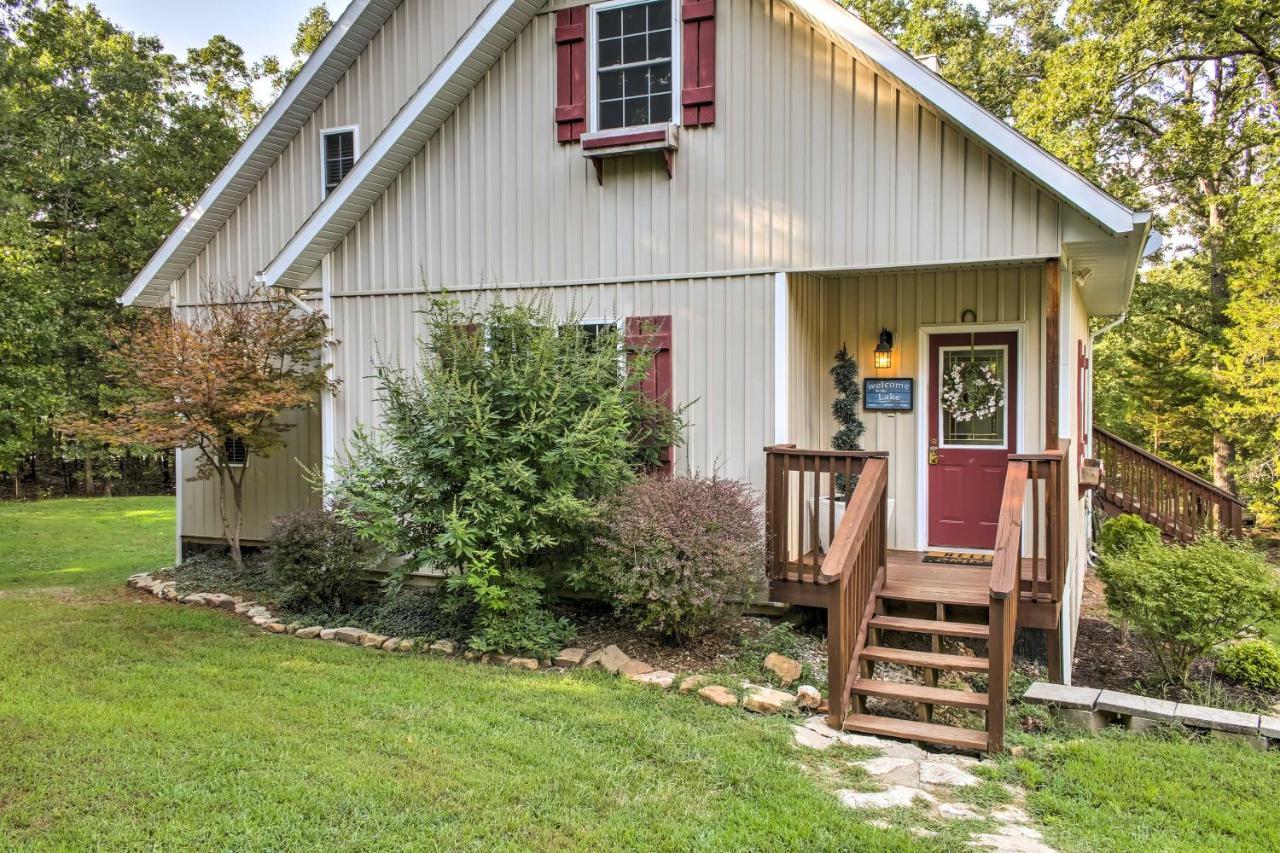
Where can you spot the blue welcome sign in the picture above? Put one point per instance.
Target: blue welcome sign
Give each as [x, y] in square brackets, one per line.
[888, 395]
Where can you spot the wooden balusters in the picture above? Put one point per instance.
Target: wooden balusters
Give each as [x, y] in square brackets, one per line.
[1178, 502]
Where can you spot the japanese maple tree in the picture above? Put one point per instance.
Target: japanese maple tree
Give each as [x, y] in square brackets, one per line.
[215, 378]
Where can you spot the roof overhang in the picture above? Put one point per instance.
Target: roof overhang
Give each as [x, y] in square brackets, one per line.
[351, 33]
[423, 114]
[1104, 267]
[1039, 165]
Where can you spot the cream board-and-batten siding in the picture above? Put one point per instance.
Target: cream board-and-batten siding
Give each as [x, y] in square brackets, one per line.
[814, 160]
[411, 42]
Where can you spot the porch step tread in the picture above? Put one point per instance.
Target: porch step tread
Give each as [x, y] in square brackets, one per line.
[913, 730]
[920, 693]
[931, 626]
[929, 660]
[937, 593]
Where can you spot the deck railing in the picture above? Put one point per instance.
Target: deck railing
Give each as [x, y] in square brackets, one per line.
[1006, 585]
[854, 566]
[1046, 552]
[805, 497]
[1178, 502]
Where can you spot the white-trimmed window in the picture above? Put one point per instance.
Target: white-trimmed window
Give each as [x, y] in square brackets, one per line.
[635, 73]
[234, 450]
[337, 154]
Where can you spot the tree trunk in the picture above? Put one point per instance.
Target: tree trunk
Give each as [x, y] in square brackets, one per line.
[17, 484]
[1219, 296]
[1223, 455]
[88, 473]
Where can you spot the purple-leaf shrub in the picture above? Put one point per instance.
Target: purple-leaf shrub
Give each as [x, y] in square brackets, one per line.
[684, 555]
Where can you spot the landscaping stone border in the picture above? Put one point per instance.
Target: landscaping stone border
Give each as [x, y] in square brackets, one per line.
[760, 699]
[1093, 709]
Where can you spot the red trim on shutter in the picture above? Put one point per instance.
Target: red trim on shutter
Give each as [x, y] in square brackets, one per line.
[653, 335]
[698, 70]
[1082, 385]
[571, 73]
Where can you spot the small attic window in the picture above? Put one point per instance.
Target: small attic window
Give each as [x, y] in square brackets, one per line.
[234, 450]
[339, 150]
[634, 71]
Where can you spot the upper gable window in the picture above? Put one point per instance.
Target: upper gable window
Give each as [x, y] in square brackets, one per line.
[634, 74]
[339, 149]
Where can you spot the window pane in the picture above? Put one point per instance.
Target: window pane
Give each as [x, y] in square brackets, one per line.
[660, 108]
[637, 81]
[633, 19]
[610, 85]
[660, 77]
[634, 49]
[610, 53]
[660, 15]
[637, 111]
[610, 114]
[660, 45]
[610, 23]
[988, 431]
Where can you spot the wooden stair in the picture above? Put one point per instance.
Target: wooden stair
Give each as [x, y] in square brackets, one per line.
[949, 587]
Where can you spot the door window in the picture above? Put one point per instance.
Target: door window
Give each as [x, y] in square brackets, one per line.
[989, 431]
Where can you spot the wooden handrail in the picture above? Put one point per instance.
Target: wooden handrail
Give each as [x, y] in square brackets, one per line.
[1111, 438]
[1181, 504]
[852, 569]
[1006, 583]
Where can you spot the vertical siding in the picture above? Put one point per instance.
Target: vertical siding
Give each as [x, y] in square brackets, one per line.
[827, 311]
[273, 486]
[722, 362]
[815, 160]
[1078, 332]
[398, 59]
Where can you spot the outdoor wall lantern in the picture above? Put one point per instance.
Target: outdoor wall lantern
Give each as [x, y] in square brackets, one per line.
[884, 350]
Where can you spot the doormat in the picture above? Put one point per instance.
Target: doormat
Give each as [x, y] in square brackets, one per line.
[958, 559]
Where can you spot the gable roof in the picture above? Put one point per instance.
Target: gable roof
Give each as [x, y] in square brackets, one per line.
[422, 115]
[351, 33]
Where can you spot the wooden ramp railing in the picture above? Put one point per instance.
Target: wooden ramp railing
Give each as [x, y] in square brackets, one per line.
[1181, 504]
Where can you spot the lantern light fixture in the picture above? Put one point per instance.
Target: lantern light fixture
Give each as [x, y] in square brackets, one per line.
[884, 350]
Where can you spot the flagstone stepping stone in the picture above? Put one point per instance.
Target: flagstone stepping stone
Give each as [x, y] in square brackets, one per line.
[898, 796]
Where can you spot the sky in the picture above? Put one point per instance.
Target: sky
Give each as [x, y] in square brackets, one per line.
[259, 26]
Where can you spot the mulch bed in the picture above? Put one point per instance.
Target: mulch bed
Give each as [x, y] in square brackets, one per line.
[1106, 659]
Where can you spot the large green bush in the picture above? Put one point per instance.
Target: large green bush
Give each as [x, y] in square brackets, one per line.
[494, 457]
[318, 560]
[1125, 533]
[1253, 663]
[1182, 601]
[683, 555]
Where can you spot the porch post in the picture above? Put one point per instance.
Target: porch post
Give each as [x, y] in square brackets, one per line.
[1052, 349]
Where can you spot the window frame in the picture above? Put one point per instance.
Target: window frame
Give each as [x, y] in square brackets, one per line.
[354, 130]
[226, 457]
[1004, 419]
[593, 70]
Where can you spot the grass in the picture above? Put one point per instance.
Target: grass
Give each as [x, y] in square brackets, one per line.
[127, 723]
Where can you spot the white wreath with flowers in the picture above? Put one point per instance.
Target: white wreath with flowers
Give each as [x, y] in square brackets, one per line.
[972, 391]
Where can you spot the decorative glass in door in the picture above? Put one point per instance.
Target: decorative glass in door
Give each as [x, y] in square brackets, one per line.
[988, 429]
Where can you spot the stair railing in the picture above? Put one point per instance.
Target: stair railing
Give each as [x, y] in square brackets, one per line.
[855, 565]
[1006, 585]
[1177, 501]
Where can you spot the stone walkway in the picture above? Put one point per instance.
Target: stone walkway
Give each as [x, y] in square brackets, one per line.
[909, 775]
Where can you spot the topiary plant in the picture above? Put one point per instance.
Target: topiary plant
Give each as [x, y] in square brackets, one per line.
[1182, 601]
[844, 374]
[1253, 663]
[1124, 533]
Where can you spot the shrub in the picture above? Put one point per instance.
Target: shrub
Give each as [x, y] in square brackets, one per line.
[318, 559]
[1124, 533]
[492, 461]
[683, 555]
[423, 613]
[1253, 663]
[1182, 601]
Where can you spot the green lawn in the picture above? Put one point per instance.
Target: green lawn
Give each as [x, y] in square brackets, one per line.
[127, 723]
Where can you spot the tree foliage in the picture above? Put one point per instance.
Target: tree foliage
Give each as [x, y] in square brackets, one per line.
[223, 374]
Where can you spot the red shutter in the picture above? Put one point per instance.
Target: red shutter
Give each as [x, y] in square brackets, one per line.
[1082, 400]
[698, 71]
[571, 73]
[653, 335]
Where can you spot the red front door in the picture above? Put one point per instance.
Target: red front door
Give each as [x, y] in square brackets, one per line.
[967, 458]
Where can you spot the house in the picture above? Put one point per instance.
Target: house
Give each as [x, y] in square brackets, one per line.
[763, 182]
